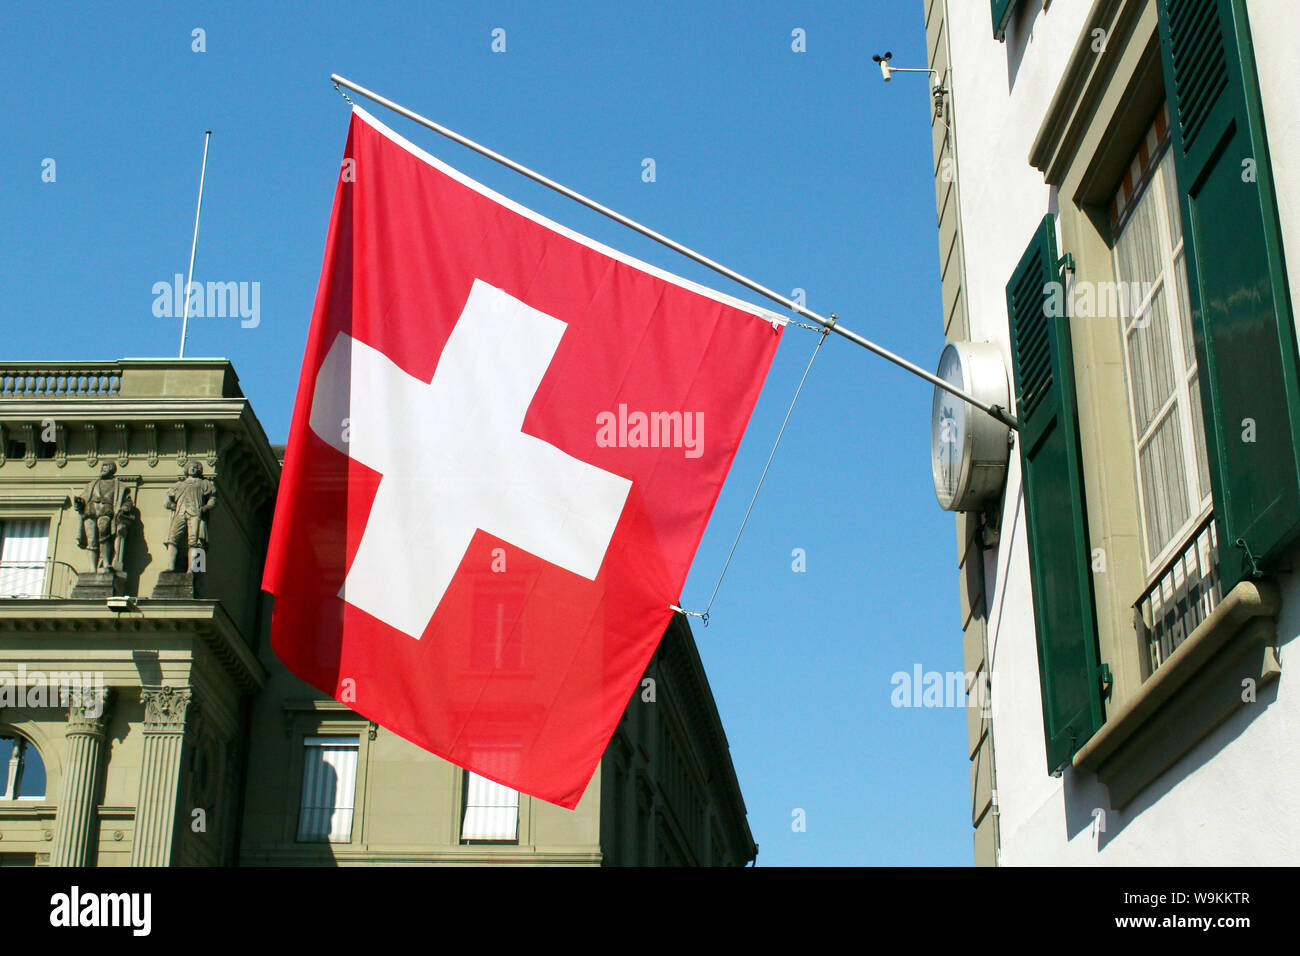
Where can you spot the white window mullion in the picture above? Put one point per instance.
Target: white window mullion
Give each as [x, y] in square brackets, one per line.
[10, 768]
[1181, 348]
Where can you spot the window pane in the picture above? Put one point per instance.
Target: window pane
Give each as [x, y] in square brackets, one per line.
[1151, 364]
[1185, 312]
[8, 767]
[1172, 200]
[329, 780]
[1138, 247]
[31, 774]
[1161, 359]
[491, 810]
[1198, 438]
[23, 546]
[1164, 483]
[22, 771]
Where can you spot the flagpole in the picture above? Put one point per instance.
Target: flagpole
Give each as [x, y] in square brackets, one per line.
[189, 276]
[830, 324]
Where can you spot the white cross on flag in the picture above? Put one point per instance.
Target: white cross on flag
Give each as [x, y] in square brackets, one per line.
[506, 444]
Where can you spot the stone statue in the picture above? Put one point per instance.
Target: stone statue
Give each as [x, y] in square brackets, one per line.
[190, 499]
[107, 514]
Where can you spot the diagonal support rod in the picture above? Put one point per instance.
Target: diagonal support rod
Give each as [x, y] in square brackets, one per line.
[830, 324]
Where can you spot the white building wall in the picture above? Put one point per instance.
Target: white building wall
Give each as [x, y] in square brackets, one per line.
[1231, 799]
[1277, 57]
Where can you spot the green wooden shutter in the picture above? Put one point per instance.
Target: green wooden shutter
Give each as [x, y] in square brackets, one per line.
[1060, 565]
[1241, 315]
[1002, 10]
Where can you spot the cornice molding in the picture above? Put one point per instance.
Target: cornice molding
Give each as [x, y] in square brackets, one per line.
[202, 414]
[688, 685]
[115, 408]
[1083, 84]
[233, 448]
[205, 618]
[38, 500]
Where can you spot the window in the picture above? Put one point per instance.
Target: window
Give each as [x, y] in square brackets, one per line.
[498, 627]
[491, 812]
[24, 544]
[1159, 356]
[22, 771]
[329, 783]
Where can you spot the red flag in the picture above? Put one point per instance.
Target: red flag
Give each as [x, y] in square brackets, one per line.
[505, 447]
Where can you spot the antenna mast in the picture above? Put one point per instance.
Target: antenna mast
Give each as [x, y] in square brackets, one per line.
[189, 277]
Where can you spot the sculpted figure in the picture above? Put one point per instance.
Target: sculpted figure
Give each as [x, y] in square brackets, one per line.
[190, 500]
[107, 514]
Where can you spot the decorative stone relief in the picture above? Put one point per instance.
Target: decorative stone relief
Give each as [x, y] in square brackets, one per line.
[89, 711]
[151, 442]
[29, 439]
[123, 443]
[92, 445]
[165, 708]
[210, 440]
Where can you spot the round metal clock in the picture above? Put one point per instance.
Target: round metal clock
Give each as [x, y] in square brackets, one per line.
[969, 448]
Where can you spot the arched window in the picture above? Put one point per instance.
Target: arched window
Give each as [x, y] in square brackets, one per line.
[22, 771]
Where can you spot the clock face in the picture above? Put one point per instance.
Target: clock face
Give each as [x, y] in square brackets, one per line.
[968, 447]
[949, 421]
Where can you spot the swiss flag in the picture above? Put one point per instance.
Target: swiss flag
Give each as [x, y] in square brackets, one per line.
[505, 447]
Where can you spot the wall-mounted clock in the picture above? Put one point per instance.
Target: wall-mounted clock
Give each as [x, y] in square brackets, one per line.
[968, 447]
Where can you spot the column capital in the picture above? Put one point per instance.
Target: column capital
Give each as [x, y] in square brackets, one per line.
[89, 712]
[165, 708]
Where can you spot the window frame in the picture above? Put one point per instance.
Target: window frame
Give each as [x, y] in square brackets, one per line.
[305, 746]
[465, 777]
[320, 717]
[47, 563]
[25, 744]
[1172, 272]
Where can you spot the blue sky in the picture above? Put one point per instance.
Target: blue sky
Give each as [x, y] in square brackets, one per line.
[802, 170]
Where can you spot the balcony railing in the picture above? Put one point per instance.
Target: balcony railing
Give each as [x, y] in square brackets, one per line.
[124, 378]
[36, 579]
[1183, 594]
[70, 379]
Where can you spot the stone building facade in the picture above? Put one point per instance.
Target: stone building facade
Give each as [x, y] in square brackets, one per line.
[145, 721]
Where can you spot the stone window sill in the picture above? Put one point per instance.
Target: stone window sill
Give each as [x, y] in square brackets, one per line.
[1196, 689]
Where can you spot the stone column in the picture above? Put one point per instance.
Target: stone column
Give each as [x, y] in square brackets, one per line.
[74, 823]
[160, 772]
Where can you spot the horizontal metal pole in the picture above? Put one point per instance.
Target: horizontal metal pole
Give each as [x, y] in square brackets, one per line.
[832, 325]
